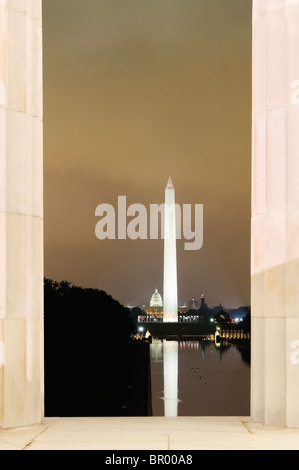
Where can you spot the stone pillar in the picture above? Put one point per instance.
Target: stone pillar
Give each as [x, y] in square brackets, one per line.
[21, 214]
[275, 213]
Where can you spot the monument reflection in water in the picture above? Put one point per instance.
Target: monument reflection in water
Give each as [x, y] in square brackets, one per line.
[170, 372]
[199, 378]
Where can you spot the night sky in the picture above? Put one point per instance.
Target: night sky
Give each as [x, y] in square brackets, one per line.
[136, 91]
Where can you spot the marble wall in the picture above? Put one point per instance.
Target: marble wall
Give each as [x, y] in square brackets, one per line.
[21, 213]
[275, 213]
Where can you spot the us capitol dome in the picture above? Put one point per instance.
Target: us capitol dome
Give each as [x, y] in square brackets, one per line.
[154, 312]
[156, 300]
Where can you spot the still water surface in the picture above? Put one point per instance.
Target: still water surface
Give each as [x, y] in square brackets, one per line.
[199, 378]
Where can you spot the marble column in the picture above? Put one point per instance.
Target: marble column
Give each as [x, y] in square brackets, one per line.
[21, 213]
[275, 213]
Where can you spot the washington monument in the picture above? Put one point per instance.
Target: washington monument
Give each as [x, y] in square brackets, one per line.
[170, 294]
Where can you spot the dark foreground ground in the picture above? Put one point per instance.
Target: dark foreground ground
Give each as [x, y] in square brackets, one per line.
[117, 383]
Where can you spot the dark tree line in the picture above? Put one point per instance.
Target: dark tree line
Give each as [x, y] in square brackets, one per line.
[84, 315]
[86, 331]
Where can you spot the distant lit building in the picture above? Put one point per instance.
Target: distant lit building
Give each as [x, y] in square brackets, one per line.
[183, 308]
[192, 311]
[156, 300]
[193, 304]
[153, 312]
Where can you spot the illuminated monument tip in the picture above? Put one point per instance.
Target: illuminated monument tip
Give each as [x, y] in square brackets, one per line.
[169, 184]
[170, 294]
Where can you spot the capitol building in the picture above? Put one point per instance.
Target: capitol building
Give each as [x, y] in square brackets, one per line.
[154, 311]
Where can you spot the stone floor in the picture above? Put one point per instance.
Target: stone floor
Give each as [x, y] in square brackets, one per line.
[154, 433]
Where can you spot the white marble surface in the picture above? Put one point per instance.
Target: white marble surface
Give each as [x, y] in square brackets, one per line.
[196, 433]
[275, 206]
[21, 213]
[275, 242]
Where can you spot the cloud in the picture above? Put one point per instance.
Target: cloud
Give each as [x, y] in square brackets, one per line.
[135, 91]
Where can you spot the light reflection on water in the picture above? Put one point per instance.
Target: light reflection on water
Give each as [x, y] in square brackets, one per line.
[170, 370]
[199, 378]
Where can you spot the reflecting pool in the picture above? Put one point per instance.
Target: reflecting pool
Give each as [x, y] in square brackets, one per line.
[199, 378]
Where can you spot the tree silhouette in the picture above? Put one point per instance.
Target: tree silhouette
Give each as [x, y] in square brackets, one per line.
[222, 317]
[87, 335]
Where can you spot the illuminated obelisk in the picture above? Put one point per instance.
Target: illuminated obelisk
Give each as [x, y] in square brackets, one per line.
[170, 294]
